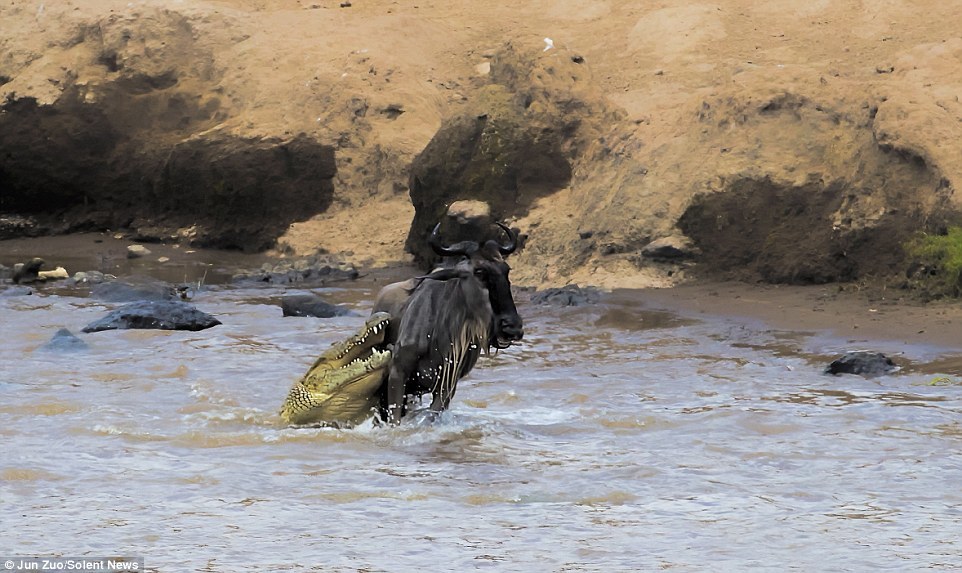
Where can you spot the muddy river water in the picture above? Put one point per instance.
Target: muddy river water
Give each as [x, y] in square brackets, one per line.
[617, 437]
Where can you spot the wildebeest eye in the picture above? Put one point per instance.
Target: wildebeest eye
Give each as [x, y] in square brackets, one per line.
[480, 273]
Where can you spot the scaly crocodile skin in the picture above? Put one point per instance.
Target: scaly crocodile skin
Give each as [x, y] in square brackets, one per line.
[340, 389]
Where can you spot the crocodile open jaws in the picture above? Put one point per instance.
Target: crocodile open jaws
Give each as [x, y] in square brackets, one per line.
[341, 388]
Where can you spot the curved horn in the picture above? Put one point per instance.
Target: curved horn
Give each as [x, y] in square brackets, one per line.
[435, 241]
[512, 245]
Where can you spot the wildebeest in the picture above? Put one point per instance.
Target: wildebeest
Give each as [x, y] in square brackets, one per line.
[443, 321]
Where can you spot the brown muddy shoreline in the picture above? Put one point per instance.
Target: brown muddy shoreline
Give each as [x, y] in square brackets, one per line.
[846, 312]
[888, 320]
[837, 318]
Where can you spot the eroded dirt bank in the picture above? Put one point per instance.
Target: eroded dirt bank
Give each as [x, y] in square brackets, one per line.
[781, 142]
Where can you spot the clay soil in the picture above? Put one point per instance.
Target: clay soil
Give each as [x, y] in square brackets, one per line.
[920, 336]
[834, 117]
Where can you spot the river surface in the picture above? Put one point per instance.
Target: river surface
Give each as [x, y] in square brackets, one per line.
[617, 437]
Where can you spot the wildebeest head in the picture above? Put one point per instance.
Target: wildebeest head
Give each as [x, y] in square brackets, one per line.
[486, 263]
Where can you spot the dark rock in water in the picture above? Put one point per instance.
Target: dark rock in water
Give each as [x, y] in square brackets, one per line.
[84, 278]
[571, 295]
[312, 305]
[862, 362]
[28, 272]
[313, 270]
[163, 315]
[64, 341]
[134, 289]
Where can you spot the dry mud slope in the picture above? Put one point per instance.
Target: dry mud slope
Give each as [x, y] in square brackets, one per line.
[758, 140]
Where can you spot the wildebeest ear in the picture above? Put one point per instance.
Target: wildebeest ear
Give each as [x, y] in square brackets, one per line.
[492, 251]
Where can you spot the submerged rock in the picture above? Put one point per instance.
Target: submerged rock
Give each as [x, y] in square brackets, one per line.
[863, 363]
[163, 315]
[133, 289]
[64, 341]
[571, 295]
[89, 278]
[312, 305]
[16, 291]
[312, 270]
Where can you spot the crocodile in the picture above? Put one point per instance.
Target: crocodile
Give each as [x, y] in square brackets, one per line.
[341, 387]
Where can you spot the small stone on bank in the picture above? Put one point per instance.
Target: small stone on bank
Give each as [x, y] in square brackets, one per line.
[670, 248]
[137, 251]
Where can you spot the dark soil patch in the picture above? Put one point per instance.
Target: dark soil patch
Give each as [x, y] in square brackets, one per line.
[760, 230]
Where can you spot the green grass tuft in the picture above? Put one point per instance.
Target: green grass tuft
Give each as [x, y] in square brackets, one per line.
[942, 256]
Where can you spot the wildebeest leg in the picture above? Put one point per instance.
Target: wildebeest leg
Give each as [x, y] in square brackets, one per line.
[394, 406]
[403, 364]
[462, 362]
[441, 401]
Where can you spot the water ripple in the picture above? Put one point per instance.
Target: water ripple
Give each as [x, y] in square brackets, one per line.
[614, 438]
